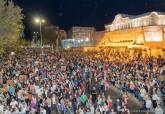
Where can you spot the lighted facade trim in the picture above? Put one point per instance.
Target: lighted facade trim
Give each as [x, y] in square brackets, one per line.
[123, 21]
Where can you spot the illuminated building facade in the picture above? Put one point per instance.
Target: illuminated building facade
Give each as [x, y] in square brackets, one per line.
[98, 36]
[145, 33]
[81, 32]
[82, 36]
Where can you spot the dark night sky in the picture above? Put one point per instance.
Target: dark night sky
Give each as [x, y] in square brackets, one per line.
[67, 13]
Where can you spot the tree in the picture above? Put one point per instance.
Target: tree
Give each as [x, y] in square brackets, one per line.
[24, 42]
[53, 36]
[11, 25]
[61, 35]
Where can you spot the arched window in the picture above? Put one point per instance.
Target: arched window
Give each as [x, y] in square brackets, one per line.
[154, 18]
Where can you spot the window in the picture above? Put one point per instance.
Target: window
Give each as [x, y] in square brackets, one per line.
[153, 36]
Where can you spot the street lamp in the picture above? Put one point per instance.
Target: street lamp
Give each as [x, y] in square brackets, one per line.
[40, 21]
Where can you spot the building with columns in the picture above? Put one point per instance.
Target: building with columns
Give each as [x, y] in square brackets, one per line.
[143, 34]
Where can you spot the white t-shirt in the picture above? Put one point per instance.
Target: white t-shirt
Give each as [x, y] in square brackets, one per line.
[155, 97]
[1, 109]
[158, 111]
[143, 92]
[43, 111]
[81, 112]
[54, 100]
[24, 109]
[53, 88]
[148, 104]
[92, 109]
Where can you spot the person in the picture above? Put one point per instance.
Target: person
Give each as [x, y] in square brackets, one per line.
[88, 111]
[48, 83]
[43, 111]
[79, 111]
[94, 95]
[113, 112]
[159, 110]
[124, 110]
[1, 108]
[98, 111]
[148, 103]
[13, 103]
[155, 98]
[53, 103]
[92, 109]
[110, 103]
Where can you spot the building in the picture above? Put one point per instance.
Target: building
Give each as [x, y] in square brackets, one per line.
[81, 32]
[98, 36]
[144, 34]
[84, 36]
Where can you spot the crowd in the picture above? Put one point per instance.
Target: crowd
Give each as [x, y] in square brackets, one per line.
[76, 82]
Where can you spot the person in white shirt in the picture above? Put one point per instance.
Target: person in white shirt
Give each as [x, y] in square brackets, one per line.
[1, 108]
[155, 98]
[158, 110]
[13, 103]
[143, 93]
[24, 107]
[53, 100]
[148, 103]
[43, 111]
[92, 109]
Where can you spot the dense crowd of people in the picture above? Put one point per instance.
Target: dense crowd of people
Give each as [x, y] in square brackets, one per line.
[77, 82]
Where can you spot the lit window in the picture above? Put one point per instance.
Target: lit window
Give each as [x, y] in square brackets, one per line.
[153, 36]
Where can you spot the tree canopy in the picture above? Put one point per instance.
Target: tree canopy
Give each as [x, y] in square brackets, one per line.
[11, 24]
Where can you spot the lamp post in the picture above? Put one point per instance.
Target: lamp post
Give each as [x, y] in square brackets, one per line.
[40, 22]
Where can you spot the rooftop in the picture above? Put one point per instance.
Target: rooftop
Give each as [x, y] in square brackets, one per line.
[137, 16]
